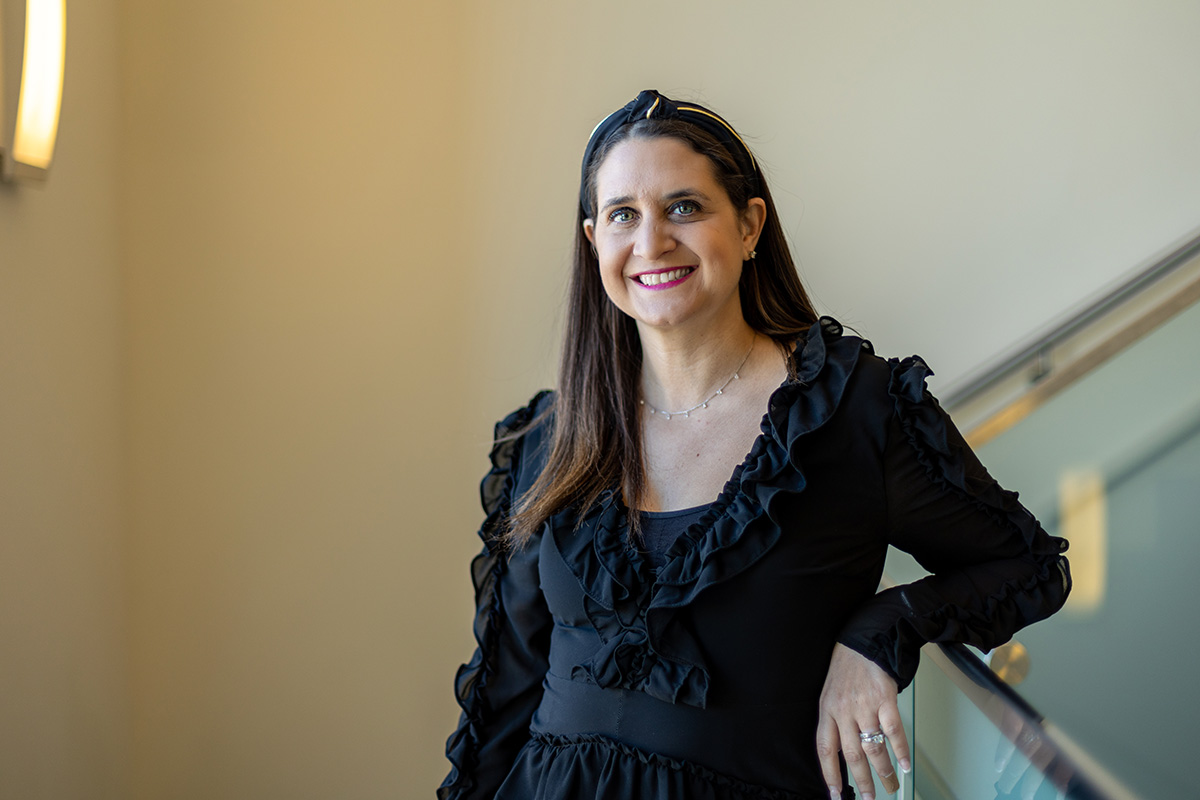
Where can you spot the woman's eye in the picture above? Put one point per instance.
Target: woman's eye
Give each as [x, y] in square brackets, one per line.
[685, 208]
[621, 215]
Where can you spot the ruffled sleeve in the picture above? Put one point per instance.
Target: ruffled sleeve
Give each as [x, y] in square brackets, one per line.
[501, 686]
[995, 568]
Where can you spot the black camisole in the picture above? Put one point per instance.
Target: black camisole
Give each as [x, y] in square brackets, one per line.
[660, 529]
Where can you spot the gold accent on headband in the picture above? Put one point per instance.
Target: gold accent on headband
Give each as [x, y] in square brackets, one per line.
[657, 100]
[718, 119]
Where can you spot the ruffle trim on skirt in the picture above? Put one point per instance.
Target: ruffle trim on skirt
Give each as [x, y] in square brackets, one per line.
[591, 767]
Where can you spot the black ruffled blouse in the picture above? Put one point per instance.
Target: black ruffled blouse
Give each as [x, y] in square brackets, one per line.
[599, 675]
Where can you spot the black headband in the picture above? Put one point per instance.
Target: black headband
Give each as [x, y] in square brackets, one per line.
[649, 104]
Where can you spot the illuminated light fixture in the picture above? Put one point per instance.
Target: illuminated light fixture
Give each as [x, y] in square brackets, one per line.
[1083, 521]
[33, 38]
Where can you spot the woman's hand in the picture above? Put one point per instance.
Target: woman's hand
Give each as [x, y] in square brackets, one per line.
[859, 697]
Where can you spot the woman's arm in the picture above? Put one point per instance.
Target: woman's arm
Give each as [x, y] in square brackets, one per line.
[995, 569]
[501, 686]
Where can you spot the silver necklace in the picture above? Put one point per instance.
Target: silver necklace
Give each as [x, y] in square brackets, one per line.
[687, 412]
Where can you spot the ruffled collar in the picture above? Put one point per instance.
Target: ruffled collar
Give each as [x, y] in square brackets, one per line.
[634, 607]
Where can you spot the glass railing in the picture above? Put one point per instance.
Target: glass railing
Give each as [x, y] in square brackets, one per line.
[1098, 425]
[1018, 384]
[974, 737]
[1113, 464]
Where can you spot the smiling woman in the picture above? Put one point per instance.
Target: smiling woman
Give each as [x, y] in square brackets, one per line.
[669, 241]
[676, 595]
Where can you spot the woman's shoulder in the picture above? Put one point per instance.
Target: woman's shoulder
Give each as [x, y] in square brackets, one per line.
[531, 418]
[830, 347]
[827, 352]
[843, 370]
[522, 441]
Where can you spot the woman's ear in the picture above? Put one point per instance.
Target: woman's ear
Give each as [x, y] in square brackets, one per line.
[589, 230]
[753, 220]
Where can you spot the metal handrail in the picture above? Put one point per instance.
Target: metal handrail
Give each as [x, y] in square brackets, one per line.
[1029, 353]
[1021, 383]
[1043, 744]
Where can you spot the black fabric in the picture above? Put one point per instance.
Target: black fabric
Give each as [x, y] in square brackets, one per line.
[649, 104]
[660, 529]
[599, 675]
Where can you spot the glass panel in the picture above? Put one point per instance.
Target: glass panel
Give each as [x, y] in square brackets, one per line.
[1113, 464]
[962, 754]
[908, 713]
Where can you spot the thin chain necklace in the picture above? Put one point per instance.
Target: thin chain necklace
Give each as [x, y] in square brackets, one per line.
[687, 412]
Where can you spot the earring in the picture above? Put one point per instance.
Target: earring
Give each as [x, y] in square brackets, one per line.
[753, 255]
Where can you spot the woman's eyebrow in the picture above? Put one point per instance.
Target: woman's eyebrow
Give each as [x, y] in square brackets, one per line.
[682, 193]
[616, 201]
[678, 194]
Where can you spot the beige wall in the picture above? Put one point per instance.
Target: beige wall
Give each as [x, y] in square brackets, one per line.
[299, 353]
[259, 323]
[64, 698]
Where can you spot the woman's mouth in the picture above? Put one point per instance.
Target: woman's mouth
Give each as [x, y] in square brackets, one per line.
[665, 278]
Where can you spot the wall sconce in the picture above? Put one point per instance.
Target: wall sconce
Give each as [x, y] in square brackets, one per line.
[33, 37]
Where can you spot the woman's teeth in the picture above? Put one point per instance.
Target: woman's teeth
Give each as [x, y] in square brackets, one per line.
[655, 278]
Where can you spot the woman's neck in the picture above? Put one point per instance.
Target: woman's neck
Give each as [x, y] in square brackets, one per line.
[681, 368]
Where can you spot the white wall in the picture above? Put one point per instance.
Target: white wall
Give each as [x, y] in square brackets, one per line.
[953, 175]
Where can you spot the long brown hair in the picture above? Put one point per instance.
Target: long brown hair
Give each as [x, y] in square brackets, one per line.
[597, 437]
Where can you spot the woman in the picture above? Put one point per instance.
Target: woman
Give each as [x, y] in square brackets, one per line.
[639, 639]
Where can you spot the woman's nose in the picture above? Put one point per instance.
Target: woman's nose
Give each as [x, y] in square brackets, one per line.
[654, 239]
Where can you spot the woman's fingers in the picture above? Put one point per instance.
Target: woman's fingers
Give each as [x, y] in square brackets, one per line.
[863, 754]
[893, 728]
[859, 760]
[859, 715]
[881, 762]
[828, 747]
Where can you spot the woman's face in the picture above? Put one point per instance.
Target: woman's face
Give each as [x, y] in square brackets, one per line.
[669, 241]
